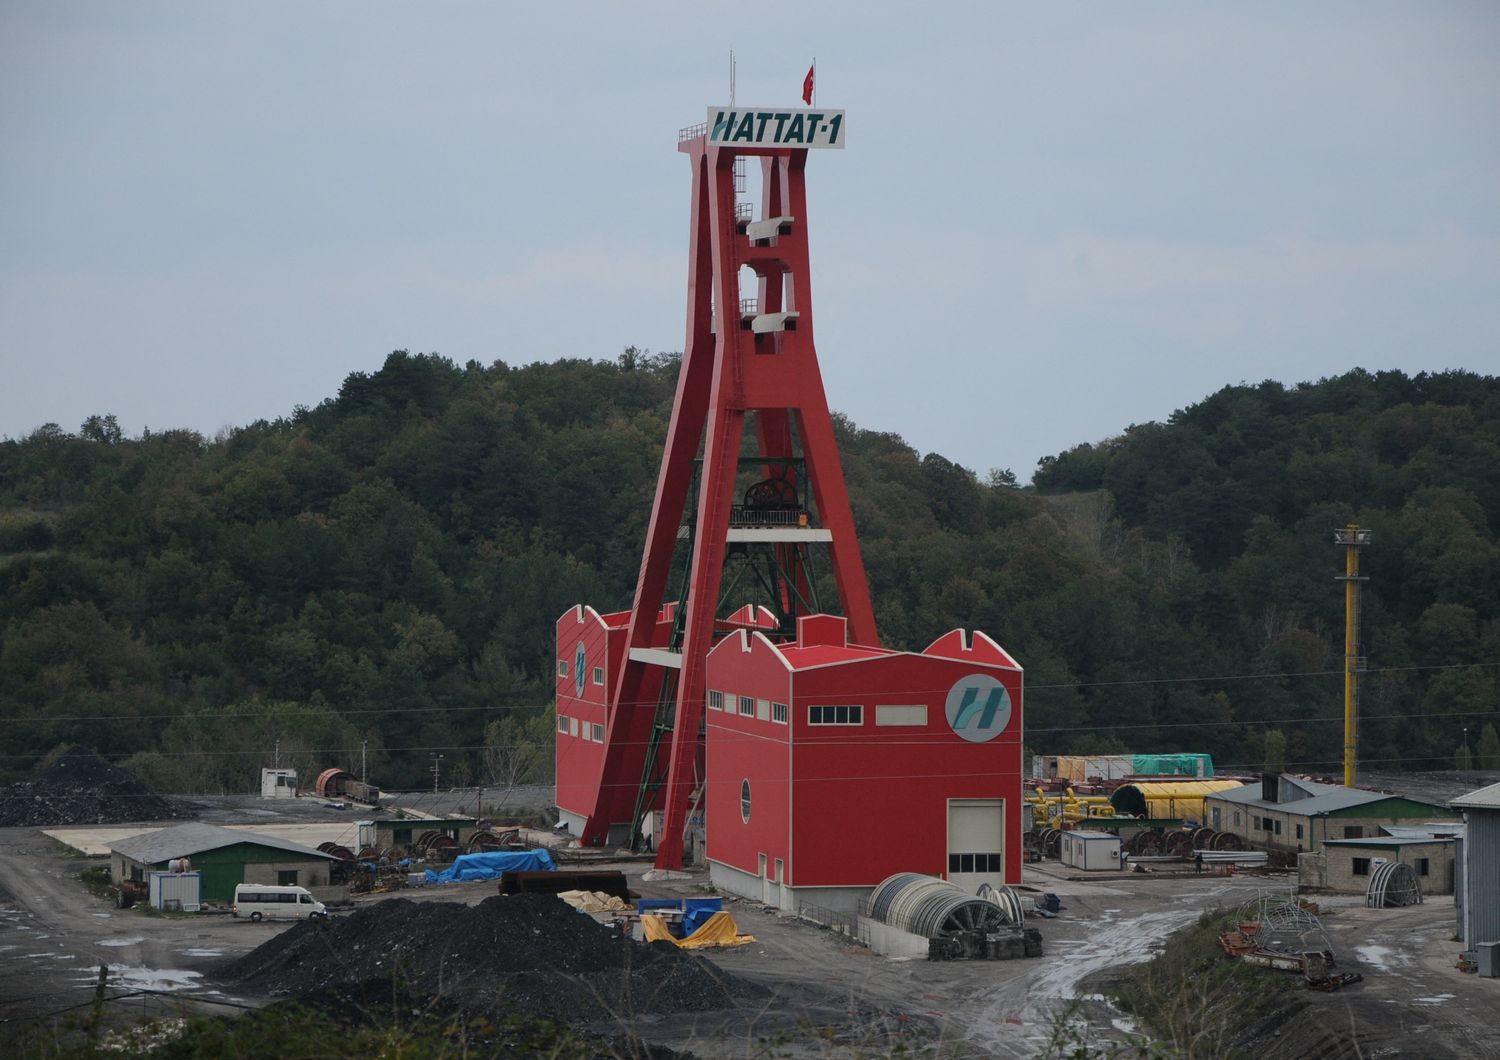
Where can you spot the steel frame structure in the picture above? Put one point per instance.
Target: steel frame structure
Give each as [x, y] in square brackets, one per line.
[758, 359]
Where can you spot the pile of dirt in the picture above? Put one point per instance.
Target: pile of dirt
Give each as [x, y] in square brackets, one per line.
[525, 954]
[82, 788]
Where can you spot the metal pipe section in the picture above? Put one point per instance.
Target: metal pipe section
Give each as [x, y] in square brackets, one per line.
[934, 908]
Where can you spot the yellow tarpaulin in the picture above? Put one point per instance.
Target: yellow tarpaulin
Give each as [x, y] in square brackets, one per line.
[718, 930]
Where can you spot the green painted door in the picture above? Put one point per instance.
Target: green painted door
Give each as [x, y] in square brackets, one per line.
[220, 880]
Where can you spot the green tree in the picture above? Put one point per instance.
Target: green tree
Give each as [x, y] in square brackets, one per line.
[1275, 752]
[1489, 748]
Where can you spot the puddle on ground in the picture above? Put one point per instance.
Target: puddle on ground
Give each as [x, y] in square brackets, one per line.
[165, 979]
[1436, 999]
[202, 953]
[132, 940]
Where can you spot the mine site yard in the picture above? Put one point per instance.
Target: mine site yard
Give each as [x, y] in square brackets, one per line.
[799, 989]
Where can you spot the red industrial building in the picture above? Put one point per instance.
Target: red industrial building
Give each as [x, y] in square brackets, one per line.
[820, 762]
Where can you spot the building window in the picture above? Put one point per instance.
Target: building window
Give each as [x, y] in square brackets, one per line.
[562, 724]
[836, 715]
[747, 706]
[562, 667]
[286, 877]
[1353, 831]
[136, 873]
[897, 714]
[1278, 827]
[598, 675]
[745, 800]
[778, 713]
[1361, 866]
[1423, 866]
[974, 862]
[1255, 823]
[763, 709]
[1236, 817]
[573, 726]
[716, 701]
[1299, 831]
[598, 733]
[401, 836]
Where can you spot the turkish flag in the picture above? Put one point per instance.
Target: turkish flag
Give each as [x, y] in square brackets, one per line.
[807, 84]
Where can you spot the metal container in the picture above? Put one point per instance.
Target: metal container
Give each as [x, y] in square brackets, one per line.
[1489, 959]
[175, 890]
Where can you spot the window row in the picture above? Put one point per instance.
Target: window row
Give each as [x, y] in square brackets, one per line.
[821, 714]
[749, 707]
[974, 862]
[596, 674]
[591, 731]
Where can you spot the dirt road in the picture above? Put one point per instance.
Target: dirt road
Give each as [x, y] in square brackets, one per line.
[54, 936]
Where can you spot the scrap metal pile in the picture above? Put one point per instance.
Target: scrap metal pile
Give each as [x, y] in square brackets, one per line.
[82, 788]
[1277, 931]
[529, 954]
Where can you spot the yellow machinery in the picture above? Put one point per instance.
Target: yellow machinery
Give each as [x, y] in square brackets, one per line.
[1068, 807]
[1159, 800]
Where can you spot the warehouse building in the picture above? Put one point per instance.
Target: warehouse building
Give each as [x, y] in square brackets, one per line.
[1290, 814]
[1477, 894]
[225, 857]
[383, 833]
[830, 766]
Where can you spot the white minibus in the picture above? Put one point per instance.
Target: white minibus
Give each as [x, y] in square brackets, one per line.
[264, 902]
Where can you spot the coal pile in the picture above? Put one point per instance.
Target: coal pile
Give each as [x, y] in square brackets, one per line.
[526, 954]
[82, 788]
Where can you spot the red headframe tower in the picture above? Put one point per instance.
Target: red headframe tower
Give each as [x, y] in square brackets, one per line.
[749, 365]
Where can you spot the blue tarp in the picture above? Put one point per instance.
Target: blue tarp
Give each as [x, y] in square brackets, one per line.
[489, 866]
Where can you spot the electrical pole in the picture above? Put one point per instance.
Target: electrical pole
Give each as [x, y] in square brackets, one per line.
[1353, 539]
[437, 762]
[364, 773]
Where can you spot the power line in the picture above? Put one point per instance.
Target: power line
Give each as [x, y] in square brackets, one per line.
[335, 714]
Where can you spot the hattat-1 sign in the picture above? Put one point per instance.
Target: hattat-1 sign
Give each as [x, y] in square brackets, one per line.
[743, 127]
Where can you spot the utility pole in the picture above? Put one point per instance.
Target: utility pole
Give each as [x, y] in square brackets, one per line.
[364, 773]
[276, 755]
[437, 763]
[1353, 539]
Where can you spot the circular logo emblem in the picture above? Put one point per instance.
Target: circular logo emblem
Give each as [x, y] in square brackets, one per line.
[978, 708]
[580, 660]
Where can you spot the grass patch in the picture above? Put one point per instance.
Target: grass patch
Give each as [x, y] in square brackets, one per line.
[1197, 1002]
[97, 882]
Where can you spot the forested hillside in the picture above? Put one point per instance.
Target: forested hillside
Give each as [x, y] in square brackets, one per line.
[388, 566]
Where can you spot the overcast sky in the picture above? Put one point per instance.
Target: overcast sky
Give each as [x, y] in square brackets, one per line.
[1051, 221]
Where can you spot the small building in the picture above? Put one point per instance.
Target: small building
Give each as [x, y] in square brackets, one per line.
[225, 857]
[1090, 851]
[1477, 892]
[1343, 865]
[278, 783]
[382, 833]
[1290, 814]
[831, 766]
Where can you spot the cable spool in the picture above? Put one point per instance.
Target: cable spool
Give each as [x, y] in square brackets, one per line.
[1007, 899]
[933, 908]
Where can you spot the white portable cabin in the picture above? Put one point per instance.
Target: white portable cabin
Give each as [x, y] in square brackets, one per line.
[278, 783]
[1090, 851]
[175, 890]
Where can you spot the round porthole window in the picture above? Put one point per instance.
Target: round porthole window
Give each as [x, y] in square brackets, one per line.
[745, 801]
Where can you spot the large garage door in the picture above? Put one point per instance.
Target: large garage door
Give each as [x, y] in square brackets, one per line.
[976, 843]
[220, 880]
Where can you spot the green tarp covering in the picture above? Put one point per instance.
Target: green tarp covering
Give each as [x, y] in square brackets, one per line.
[1177, 765]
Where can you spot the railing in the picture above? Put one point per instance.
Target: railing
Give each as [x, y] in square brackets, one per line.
[846, 924]
[692, 132]
[749, 307]
[743, 516]
[744, 211]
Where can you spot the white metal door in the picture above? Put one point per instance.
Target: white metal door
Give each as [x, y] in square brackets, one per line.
[976, 843]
